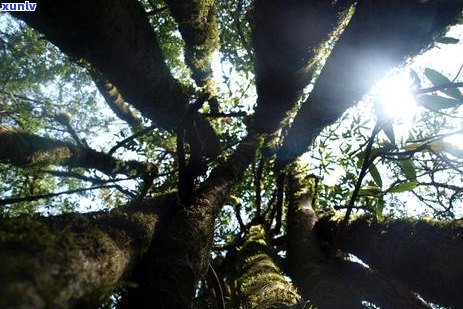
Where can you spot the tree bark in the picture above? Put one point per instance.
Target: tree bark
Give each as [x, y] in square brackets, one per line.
[74, 260]
[28, 150]
[174, 264]
[117, 39]
[424, 255]
[261, 283]
[286, 36]
[381, 35]
[197, 24]
[115, 101]
[330, 281]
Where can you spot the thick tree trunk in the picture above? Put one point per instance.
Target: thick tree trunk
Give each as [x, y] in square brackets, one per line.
[168, 276]
[74, 260]
[261, 283]
[29, 150]
[330, 281]
[424, 255]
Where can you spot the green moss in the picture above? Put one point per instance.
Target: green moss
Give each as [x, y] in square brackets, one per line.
[262, 284]
[198, 26]
[57, 155]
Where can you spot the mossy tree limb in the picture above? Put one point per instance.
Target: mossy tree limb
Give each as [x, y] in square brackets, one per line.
[29, 150]
[381, 35]
[330, 281]
[115, 101]
[197, 24]
[424, 255]
[261, 283]
[74, 260]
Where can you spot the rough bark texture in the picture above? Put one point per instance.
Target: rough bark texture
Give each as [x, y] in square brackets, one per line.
[380, 36]
[329, 281]
[28, 150]
[73, 260]
[261, 283]
[117, 39]
[197, 23]
[115, 101]
[170, 271]
[286, 36]
[424, 255]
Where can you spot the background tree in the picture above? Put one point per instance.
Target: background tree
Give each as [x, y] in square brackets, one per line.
[195, 193]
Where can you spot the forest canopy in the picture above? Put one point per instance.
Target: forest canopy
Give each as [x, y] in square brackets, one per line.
[229, 154]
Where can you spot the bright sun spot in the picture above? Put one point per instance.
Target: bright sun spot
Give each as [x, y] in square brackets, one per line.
[395, 96]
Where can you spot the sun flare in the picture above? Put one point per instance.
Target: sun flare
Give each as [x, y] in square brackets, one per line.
[394, 93]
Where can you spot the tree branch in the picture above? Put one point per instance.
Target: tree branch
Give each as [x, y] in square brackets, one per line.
[14, 200]
[28, 150]
[114, 100]
[425, 255]
[197, 24]
[71, 260]
[323, 277]
[284, 55]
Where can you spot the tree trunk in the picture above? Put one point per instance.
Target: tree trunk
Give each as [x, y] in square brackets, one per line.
[425, 255]
[76, 259]
[168, 275]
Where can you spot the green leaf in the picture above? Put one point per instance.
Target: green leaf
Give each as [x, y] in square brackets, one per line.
[379, 208]
[437, 79]
[360, 158]
[376, 175]
[408, 168]
[370, 191]
[388, 129]
[415, 78]
[435, 102]
[404, 187]
[447, 40]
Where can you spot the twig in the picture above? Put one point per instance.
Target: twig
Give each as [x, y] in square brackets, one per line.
[216, 286]
[258, 186]
[458, 73]
[279, 204]
[437, 88]
[363, 172]
[157, 11]
[130, 138]
[81, 177]
[225, 115]
[237, 209]
[48, 195]
[239, 29]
